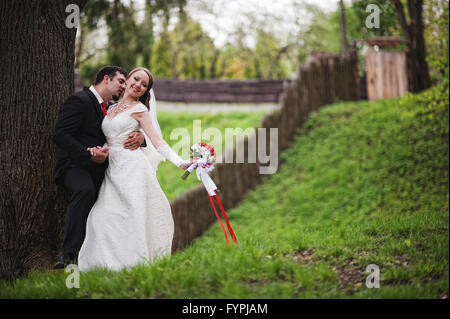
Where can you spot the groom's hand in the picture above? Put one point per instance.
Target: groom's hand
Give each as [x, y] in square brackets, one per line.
[134, 141]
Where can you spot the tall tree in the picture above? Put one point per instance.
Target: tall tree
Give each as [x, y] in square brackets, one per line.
[344, 44]
[36, 76]
[89, 19]
[418, 71]
[123, 48]
[147, 36]
[268, 56]
[161, 60]
[192, 50]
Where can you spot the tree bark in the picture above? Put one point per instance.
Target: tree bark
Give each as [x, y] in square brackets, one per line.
[36, 76]
[343, 27]
[79, 46]
[212, 67]
[417, 66]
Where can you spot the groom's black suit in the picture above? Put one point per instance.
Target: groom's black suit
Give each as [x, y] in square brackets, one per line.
[78, 126]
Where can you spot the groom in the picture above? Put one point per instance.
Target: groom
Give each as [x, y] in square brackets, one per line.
[77, 128]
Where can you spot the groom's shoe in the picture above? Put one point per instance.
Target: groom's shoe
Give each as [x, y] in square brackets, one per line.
[64, 261]
[59, 264]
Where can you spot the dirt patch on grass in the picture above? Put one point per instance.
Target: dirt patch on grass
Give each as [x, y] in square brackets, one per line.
[304, 256]
[350, 273]
[351, 278]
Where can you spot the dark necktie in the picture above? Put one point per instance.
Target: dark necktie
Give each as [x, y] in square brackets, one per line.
[104, 109]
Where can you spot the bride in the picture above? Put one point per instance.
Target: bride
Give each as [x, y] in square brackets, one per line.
[131, 221]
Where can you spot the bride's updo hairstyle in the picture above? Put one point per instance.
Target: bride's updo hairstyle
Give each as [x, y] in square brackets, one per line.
[145, 98]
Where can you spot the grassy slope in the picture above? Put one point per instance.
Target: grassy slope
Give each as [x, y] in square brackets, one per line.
[366, 183]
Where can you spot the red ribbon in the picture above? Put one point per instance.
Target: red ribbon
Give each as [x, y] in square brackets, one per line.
[233, 236]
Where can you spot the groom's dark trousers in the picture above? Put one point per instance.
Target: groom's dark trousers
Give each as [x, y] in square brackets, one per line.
[78, 126]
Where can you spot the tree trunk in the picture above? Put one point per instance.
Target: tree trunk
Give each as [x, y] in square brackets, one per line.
[148, 36]
[418, 71]
[36, 76]
[212, 67]
[79, 46]
[343, 27]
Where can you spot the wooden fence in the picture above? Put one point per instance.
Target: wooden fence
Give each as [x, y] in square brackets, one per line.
[386, 74]
[229, 91]
[323, 80]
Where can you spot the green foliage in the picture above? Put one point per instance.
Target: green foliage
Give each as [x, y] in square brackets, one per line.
[430, 104]
[266, 58]
[322, 34]
[161, 61]
[89, 70]
[193, 50]
[87, 60]
[129, 43]
[366, 183]
[436, 38]
[122, 36]
[164, 7]
[92, 13]
[186, 52]
[388, 19]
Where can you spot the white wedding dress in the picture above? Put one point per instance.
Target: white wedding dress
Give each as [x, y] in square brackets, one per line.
[131, 221]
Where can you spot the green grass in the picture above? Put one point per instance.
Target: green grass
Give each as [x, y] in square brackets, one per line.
[366, 183]
[169, 175]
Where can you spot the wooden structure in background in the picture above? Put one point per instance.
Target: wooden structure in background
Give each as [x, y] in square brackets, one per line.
[384, 42]
[224, 91]
[213, 90]
[386, 71]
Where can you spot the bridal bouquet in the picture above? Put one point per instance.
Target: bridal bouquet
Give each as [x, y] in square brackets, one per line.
[204, 157]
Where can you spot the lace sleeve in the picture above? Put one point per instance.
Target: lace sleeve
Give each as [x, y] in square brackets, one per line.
[139, 108]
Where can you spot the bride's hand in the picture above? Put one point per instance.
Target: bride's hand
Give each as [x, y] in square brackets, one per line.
[98, 154]
[93, 150]
[186, 164]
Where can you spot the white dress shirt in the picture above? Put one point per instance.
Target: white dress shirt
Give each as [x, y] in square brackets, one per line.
[99, 98]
